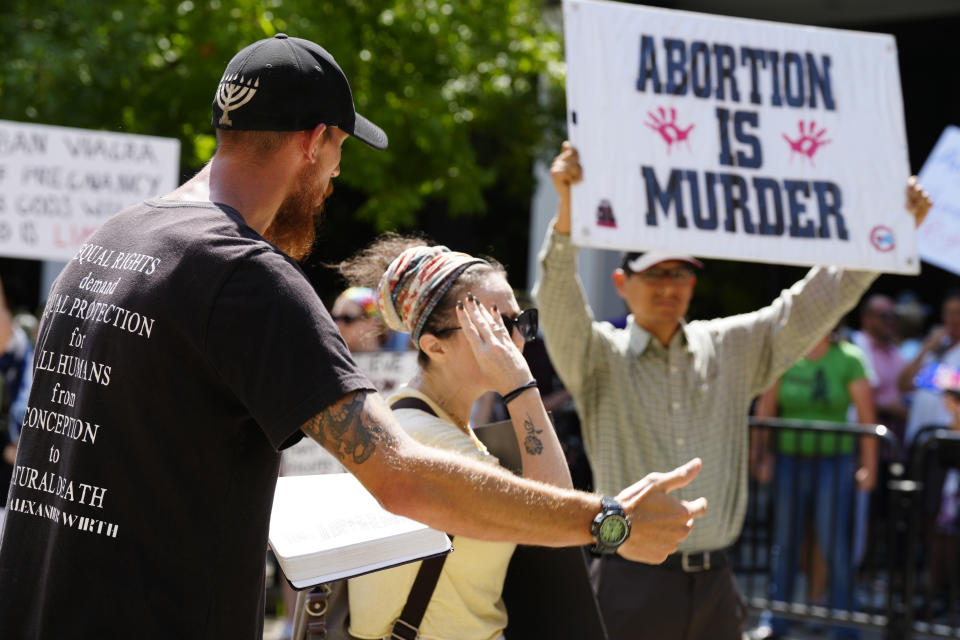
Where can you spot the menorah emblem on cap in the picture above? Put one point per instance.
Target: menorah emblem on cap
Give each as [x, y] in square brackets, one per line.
[233, 94]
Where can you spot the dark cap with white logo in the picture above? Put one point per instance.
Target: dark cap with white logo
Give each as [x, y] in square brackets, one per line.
[289, 84]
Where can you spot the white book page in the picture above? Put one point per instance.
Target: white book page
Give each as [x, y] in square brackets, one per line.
[313, 514]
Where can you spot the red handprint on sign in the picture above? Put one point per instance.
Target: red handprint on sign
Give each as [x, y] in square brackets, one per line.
[809, 141]
[666, 126]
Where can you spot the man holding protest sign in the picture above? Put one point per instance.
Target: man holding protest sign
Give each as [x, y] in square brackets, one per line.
[663, 389]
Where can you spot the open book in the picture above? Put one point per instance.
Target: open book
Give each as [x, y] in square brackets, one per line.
[328, 527]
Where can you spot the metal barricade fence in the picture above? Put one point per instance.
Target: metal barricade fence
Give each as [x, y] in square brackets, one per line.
[931, 597]
[813, 547]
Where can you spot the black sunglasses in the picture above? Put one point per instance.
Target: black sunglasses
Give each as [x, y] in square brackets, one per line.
[347, 319]
[527, 323]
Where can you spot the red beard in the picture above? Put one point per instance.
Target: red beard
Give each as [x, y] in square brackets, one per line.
[294, 229]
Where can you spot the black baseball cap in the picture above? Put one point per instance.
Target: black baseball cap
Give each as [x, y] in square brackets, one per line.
[638, 262]
[289, 84]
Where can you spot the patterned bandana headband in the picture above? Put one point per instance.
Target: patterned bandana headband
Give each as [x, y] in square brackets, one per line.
[415, 282]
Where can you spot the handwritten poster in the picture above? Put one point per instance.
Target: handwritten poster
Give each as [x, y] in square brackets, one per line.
[58, 184]
[938, 238]
[736, 139]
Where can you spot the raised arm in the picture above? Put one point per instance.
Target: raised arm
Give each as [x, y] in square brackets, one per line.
[564, 311]
[783, 331]
[470, 498]
[776, 336]
[565, 172]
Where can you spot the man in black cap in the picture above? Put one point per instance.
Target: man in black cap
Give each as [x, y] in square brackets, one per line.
[663, 389]
[149, 451]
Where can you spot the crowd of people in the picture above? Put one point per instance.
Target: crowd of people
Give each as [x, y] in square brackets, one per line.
[173, 492]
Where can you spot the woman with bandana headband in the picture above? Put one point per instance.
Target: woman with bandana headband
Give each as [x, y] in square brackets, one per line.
[462, 316]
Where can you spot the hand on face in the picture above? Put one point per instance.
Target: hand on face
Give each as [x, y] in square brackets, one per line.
[659, 522]
[497, 355]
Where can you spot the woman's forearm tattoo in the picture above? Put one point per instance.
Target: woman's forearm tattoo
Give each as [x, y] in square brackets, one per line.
[532, 443]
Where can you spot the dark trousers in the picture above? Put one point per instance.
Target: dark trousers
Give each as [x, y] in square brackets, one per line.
[641, 601]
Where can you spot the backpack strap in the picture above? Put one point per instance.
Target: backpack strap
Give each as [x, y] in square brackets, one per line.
[407, 626]
[413, 403]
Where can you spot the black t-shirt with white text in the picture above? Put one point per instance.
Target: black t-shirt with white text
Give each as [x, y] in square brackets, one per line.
[177, 353]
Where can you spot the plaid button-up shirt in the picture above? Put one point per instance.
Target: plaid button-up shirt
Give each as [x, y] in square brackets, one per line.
[644, 407]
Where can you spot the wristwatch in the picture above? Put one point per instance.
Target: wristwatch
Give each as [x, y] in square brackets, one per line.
[610, 527]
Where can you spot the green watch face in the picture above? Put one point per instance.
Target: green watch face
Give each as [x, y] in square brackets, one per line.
[613, 530]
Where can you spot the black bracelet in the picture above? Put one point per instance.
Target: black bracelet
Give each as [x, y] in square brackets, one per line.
[516, 392]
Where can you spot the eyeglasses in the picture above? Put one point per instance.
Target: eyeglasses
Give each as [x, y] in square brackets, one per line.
[678, 275]
[527, 324]
[347, 319]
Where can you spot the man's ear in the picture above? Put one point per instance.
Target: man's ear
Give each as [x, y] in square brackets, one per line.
[312, 141]
[619, 279]
[433, 347]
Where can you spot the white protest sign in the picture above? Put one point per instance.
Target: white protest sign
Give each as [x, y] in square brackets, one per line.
[938, 238]
[736, 139]
[388, 371]
[58, 184]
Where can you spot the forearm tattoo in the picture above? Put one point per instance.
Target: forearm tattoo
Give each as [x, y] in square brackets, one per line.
[348, 430]
[532, 443]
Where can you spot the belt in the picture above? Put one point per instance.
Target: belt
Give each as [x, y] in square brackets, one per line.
[696, 561]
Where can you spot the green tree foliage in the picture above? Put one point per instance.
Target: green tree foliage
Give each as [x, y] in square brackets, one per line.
[465, 89]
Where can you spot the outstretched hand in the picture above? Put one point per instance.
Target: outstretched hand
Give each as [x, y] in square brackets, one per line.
[498, 357]
[918, 201]
[658, 521]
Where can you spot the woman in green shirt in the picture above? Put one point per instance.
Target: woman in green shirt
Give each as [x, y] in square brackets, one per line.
[814, 473]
